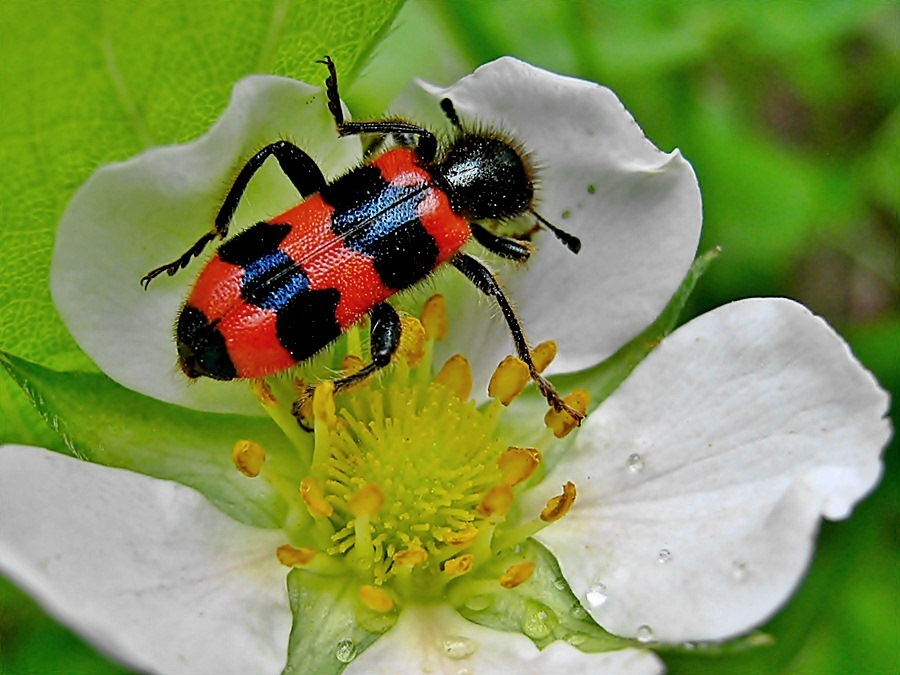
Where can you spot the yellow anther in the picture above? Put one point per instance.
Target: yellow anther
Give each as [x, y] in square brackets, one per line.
[517, 574]
[459, 565]
[559, 506]
[366, 502]
[462, 538]
[434, 317]
[263, 393]
[518, 464]
[351, 364]
[412, 340]
[561, 422]
[375, 598]
[497, 502]
[248, 457]
[456, 375]
[543, 355]
[314, 498]
[323, 404]
[290, 556]
[411, 556]
[508, 380]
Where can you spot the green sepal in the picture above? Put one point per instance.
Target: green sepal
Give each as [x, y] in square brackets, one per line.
[102, 422]
[331, 627]
[543, 608]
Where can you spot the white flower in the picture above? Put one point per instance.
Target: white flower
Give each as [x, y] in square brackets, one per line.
[700, 480]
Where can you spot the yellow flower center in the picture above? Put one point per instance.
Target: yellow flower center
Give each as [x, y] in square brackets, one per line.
[407, 488]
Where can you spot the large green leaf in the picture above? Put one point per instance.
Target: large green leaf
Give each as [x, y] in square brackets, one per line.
[92, 82]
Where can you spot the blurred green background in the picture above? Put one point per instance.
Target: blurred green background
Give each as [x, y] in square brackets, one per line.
[789, 113]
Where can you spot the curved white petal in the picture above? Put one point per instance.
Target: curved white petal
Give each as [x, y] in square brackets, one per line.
[636, 209]
[702, 480]
[145, 569]
[438, 640]
[136, 215]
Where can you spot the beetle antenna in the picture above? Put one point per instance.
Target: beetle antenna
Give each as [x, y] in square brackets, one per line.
[570, 241]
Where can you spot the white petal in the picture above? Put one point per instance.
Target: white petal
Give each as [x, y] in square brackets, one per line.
[750, 423]
[145, 569]
[438, 640]
[136, 215]
[636, 209]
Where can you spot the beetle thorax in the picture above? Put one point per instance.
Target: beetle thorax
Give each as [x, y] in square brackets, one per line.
[486, 177]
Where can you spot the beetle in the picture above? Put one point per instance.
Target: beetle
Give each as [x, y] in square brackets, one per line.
[283, 289]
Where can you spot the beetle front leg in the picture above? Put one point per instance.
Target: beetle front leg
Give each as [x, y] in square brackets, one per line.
[300, 169]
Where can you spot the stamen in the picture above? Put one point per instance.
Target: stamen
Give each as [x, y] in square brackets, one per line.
[351, 364]
[460, 565]
[291, 556]
[367, 502]
[263, 393]
[412, 340]
[509, 380]
[497, 502]
[456, 375]
[376, 599]
[462, 538]
[559, 506]
[543, 355]
[248, 457]
[411, 557]
[518, 464]
[562, 422]
[314, 498]
[517, 574]
[323, 405]
[434, 317]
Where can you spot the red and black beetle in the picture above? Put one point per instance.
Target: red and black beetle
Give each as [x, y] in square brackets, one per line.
[281, 290]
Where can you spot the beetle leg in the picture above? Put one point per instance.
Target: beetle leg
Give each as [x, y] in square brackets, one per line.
[502, 246]
[296, 165]
[484, 281]
[427, 144]
[384, 339]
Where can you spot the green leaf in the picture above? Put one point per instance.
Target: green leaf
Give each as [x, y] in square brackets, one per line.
[101, 421]
[603, 379]
[87, 83]
[326, 634]
[543, 608]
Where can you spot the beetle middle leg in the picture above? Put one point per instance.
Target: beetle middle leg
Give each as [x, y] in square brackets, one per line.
[300, 169]
[384, 340]
[484, 280]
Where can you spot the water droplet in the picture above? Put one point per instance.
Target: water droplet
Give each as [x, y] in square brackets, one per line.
[538, 621]
[576, 639]
[465, 671]
[739, 570]
[665, 555]
[478, 603]
[346, 651]
[645, 633]
[635, 462]
[559, 583]
[596, 594]
[458, 647]
[689, 645]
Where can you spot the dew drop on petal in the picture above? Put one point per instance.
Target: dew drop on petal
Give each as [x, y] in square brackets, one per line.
[346, 651]
[635, 463]
[645, 633]
[665, 555]
[596, 594]
[578, 611]
[458, 647]
[559, 583]
[576, 639]
[739, 570]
